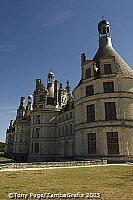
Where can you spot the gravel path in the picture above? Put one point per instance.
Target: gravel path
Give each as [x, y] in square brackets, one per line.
[42, 168]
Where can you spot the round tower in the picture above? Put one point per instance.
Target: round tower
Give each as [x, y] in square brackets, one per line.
[104, 104]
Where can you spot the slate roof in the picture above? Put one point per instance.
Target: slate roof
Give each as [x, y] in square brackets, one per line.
[122, 68]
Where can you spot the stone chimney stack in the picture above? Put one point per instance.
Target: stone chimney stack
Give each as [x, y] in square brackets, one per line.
[83, 58]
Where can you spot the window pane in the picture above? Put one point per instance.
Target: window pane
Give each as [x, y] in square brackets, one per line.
[70, 129]
[37, 132]
[37, 119]
[66, 129]
[62, 130]
[89, 90]
[36, 147]
[110, 111]
[32, 148]
[112, 143]
[59, 131]
[92, 143]
[108, 87]
[91, 113]
[88, 73]
[107, 69]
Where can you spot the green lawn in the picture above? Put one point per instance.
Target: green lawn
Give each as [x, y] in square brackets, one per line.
[113, 182]
[3, 159]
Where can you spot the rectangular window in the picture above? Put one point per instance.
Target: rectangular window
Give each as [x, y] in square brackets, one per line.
[70, 114]
[32, 148]
[92, 143]
[62, 130]
[37, 132]
[108, 87]
[37, 119]
[59, 131]
[66, 116]
[66, 130]
[33, 118]
[89, 90]
[107, 69]
[112, 143]
[88, 73]
[91, 113]
[32, 133]
[110, 111]
[70, 129]
[36, 147]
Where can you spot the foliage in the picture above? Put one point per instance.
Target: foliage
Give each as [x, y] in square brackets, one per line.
[2, 147]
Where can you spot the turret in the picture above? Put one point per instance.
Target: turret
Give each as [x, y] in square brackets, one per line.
[45, 97]
[29, 105]
[60, 86]
[104, 33]
[10, 129]
[56, 91]
[39, 84]
[21, 109]
[68, 87]
[50, 84]
[11, 123]
[106, 50]
[40, 94]
[59, 95]
[50, 77]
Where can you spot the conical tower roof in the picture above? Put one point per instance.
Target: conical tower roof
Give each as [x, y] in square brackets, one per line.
[106, 50]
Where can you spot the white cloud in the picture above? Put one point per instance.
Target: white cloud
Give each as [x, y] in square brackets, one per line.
[46, 19]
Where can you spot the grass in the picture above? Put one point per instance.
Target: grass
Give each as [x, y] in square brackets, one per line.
[3, 159]
[113, 182]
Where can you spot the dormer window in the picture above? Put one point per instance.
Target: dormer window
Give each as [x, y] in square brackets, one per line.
[107, 69]
[88, 73]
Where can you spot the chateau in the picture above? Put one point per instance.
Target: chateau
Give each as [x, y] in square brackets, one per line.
[96, 121]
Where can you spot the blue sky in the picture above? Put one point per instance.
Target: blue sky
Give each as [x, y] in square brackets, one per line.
[37, 35]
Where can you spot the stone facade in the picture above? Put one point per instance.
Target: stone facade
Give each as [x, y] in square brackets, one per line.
[95, 122]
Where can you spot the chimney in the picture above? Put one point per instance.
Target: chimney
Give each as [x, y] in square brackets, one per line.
[83, 58]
